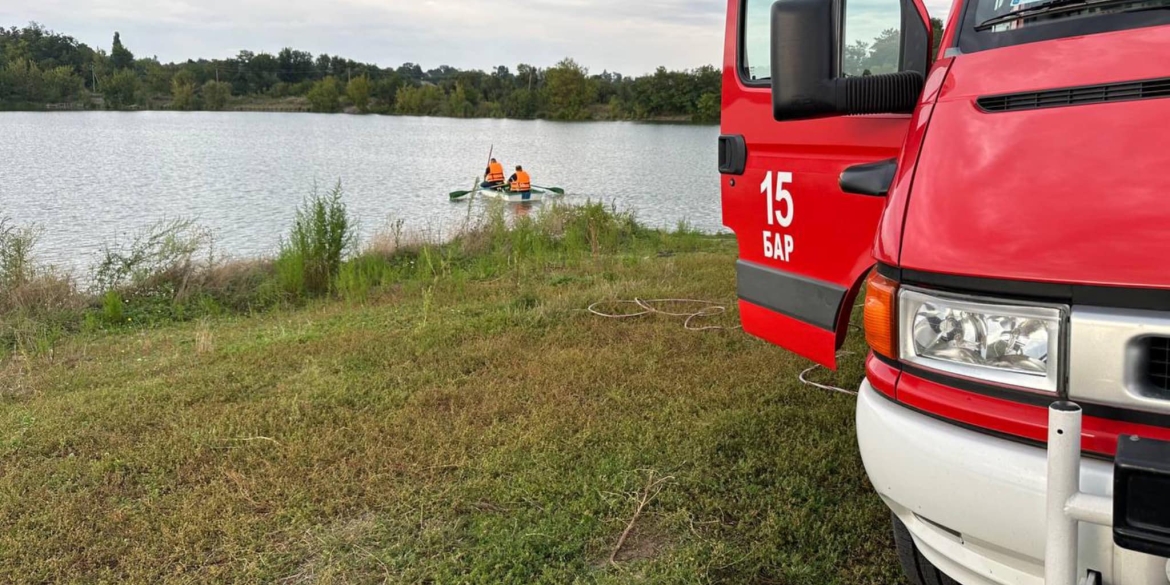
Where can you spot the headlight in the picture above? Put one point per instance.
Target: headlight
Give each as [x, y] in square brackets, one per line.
[1016, 345]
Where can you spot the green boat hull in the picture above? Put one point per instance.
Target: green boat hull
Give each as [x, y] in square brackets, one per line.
[505, 194]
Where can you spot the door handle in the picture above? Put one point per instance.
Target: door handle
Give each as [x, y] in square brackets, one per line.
[872, 179]
[732, 154]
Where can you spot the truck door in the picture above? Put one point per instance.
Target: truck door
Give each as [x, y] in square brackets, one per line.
[805, 245]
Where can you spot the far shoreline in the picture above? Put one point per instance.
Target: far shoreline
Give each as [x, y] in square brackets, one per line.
[49, 109]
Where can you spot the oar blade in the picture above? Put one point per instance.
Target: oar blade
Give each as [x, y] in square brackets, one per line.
[459, 194]
[557, 190]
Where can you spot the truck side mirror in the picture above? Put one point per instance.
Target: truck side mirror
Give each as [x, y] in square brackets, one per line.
[805, 66]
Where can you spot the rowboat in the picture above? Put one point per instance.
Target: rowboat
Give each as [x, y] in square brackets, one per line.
[503, 193]
[506, 194]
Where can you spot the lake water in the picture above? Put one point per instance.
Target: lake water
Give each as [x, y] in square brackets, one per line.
[90, 177]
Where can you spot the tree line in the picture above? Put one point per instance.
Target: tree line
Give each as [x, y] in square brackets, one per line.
[39, 67]
[884, 54]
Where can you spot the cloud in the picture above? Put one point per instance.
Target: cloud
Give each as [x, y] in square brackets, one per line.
[632, 37]
[940, 9]
[629, 36]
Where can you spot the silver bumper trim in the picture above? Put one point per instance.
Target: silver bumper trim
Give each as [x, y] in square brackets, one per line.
[1106, 358]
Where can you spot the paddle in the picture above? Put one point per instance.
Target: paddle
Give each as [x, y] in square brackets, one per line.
[556, 190]
[461, 194]
[491, 151]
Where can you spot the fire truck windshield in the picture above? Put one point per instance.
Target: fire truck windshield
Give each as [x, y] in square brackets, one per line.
[1006, 15]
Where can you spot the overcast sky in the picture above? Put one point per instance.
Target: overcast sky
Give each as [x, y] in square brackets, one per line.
[630, 36]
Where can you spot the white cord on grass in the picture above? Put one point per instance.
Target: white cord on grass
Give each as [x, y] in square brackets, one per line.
[709, 309]
[808, 382]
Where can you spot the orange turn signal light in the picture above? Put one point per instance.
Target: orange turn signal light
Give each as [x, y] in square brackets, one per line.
[880, 315]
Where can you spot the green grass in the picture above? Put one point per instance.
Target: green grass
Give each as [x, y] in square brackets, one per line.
[417, 413]
[467, 422]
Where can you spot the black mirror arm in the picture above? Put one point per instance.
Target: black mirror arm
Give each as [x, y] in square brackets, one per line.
[889, 93]
[873, 179]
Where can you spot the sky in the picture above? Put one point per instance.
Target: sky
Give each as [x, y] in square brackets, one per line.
[628, 36]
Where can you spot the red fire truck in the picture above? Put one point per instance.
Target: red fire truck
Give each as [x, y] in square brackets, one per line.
[1005, 207]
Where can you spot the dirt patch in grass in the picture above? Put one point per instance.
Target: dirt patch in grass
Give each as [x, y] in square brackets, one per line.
[641, 545]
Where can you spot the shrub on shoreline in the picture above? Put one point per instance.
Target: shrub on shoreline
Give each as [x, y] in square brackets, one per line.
[169, 272]
[36, 303]
[16, 262]
[166, 258]
[321, 235]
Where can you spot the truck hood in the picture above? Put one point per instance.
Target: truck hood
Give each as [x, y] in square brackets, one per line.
[1075, 194]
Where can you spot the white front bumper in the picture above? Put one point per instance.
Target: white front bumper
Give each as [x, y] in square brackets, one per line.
[975, 503]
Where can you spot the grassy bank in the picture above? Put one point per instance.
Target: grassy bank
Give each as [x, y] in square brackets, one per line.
[453, 414]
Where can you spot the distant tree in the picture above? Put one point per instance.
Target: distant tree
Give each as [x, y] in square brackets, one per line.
[325, 96]
[616, 108]
[259, 72]
[411, 72]
[120, 89]
[708, 109]
[569, 91]
[120, 56]
[158, 78]
[699, 83]
[216, 94]
[441, 73]
[458, 106]
[294, 66]
[471, 82]
[495, 85]
[21, 81]
[522, 104]
[936, 26]
[60, 84]
[408, 101]
[183, 90]
[358, 89]
[98, 69]
[324, 66]
[489, 110]
[884, 53]
[853, 62]
[385, 90]
[425, 100]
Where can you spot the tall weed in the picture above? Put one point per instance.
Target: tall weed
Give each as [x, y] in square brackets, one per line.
[321, 236]
[16, 254]
[392, 239]
[163, 260]
[37, 303]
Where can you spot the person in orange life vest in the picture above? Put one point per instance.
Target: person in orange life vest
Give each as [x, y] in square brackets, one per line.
[494, 175]
[520, 182]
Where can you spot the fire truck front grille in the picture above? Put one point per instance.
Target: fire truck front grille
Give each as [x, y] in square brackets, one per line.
[1076, 96]
[1158, 364]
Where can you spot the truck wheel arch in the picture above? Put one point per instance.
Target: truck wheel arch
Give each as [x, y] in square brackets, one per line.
[918, 570]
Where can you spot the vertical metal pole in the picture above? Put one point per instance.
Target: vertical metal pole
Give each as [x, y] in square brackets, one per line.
[1064, 469]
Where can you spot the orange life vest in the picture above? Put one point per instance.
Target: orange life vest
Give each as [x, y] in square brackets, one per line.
[495, 173]
[522, 183]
